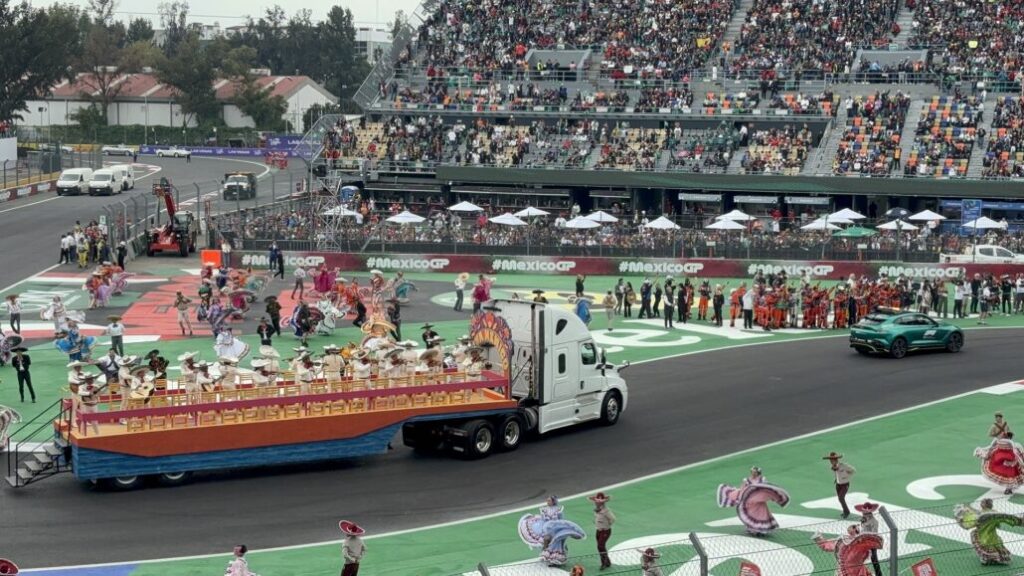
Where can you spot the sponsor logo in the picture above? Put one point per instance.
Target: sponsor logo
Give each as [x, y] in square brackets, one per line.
[43, 187]
[642, 267]
[22, 192]
[407, 263]
[264, 260]
[509, 265]
[923, 271]
[813, 270]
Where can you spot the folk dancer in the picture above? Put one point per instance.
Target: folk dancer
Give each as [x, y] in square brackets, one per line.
[1002, 462]
[14, 310]
[984, 524]
[842, 474]
[352, 550]
[850, 550]
[239, 566]
[1000, 428]
[182, 304]
[603, 521]
[869, 525]
[751, 500]
[649, 563]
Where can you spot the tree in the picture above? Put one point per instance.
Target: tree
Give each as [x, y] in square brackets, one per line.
[174, 19]
[31, 61]
[139, 30]
[400, 23]
[257, 103]
[191, 70]
[346, 69]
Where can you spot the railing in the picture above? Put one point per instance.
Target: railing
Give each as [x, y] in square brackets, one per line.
[384, 67]
[270, 402]
[591, 110]
[21, 443]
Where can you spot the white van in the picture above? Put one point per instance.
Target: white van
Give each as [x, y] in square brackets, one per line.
[74, 181]
[112, 180]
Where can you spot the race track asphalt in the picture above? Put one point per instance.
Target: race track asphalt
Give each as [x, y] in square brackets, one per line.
[32, 226]
[680, 411]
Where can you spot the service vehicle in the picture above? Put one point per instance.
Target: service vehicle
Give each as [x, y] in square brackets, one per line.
[112, 180]
[897, 332]
[74, 181]
[983, 254]
[63, 148]
[119, 150]
[173, 152]
[181, 232]
[239, 186]
[541, 371]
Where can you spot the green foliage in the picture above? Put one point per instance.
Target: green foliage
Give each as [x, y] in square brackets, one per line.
[139, 30]
[192, 71]
[314, 112]
[89, 118]
[35, 46]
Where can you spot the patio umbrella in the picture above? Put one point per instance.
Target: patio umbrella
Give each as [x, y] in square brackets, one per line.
[602, 217]
[466, 207]
[819, 225]
[662, 223]
[405, 217]
[897, 225]
[983, 223]
[846, 214]
[725, 225]
[341, 211]
[530, 212]
[581, 223]
[855, 232]
[927, 216]
[736, 215]
[833, 219]
[897, 213]
[508, 219]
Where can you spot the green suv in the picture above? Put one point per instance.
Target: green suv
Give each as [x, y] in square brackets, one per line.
[897, 332]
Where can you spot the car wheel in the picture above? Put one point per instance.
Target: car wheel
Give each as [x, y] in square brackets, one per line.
[611, 409]
[125, 482]
[173, 478]
[899, 348]
[955, 342]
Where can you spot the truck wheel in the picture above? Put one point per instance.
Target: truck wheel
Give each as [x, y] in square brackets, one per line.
[611, 408]
[125, 483]
[479, 439]
[510, 433]
[183, 249]
[173, 478]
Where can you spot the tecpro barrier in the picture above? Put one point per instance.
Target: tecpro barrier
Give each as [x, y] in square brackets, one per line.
[715, 268]
[10, 194]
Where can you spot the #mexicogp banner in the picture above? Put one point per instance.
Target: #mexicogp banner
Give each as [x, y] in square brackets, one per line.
[571, 265]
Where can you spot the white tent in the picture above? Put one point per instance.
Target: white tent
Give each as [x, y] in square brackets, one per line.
[405, 217]
[736, 215]
[341, 211]
[508, 219]
[833, 219]
[466, 207]
[662, 223]
[897, 225]
[530, 212]
[983, 223]
[581, 223]
[846, 214]
[601, 217]
[725, 225]
[820, 225]
[927, 216]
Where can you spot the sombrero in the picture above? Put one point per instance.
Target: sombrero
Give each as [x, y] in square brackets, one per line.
[463, 276]
[77, 364]
[300, 349]
[187, 356]
[408, 344]
[228, 360]
[465, 338]
[832, 456]
[867, 507]
[202, 364]
[427, 326]
[350, 528]
[430, 354]
[129, 360]
[361, 354]
[538, 291]
[137, 369]
[474, 349]
[269, 298]
[269, 352]
[331, 348]
[340, 280]
[8, 568]
[651, 553]
[396, 353]
[260, 363]
[376, 272]
[153, 353]
[11, 296]
[600, 497]
[19, 349]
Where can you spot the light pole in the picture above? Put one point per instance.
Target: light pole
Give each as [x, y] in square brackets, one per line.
[215, 141]
[184, 137]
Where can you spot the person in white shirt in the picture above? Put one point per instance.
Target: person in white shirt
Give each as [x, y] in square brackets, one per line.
[300, 278]
[361, 367]
[353, 549]
[116, 332]
[238, 566]
[334, 364]
[14, 309]
[227, 367]
[260, 375]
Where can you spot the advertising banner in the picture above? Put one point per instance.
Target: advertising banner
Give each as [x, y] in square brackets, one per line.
[570, 265]
[223, 151]
[969, 210]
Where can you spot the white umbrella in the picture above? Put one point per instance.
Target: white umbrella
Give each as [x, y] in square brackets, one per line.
[736, 215]
[405, 217]
[833, 219]
[983, 223]
[662, 223]
[725, 225]
[530, 212]
[602, 217]
[581, 223]
[846, 214]
[820, 225]
[341, 211]
[466, 207]
[508, 220]
[927, 216]
[897, 225]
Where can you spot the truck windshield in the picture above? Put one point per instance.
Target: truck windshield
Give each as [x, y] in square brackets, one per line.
[237, 181]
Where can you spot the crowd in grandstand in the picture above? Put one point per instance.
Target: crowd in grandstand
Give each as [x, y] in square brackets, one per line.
[871, 139]
[1004, 156]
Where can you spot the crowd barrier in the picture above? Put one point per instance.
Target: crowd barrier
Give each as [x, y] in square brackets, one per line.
[707, 267]
[221, 151]
[10, 194]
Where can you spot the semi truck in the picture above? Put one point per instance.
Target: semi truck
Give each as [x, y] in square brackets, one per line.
[541, 371]
[239, 186]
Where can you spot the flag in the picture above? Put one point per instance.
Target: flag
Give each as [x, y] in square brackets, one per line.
[924, 568]
[749, 569]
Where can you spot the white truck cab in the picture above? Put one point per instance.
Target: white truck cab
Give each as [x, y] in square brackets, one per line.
[984, 254]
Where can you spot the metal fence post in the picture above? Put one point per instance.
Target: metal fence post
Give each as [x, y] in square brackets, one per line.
[199, 203]
[894, 560]
[482, 569]
[701, 553]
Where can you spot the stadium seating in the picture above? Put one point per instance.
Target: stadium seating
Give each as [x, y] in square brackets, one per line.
[944, 138]
[871, 137]
[1004, 154]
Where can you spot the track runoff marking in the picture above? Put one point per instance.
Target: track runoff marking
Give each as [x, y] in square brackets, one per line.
[998, 389]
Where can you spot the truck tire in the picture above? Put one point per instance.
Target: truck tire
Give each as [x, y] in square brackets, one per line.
[611, 408]
[510, 433]
[124, 483]
[479, 439]
[173, 478]
[183, 248]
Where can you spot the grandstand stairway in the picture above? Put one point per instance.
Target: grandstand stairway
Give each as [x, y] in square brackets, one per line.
[905, 19]
[736, 161]
[820, 159]
[976, 164]
[907, 135]
[739, 15]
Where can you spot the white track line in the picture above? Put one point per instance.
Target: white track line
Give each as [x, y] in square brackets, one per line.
[573, 497]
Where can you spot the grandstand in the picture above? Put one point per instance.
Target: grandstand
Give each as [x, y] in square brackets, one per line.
[883, 102]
